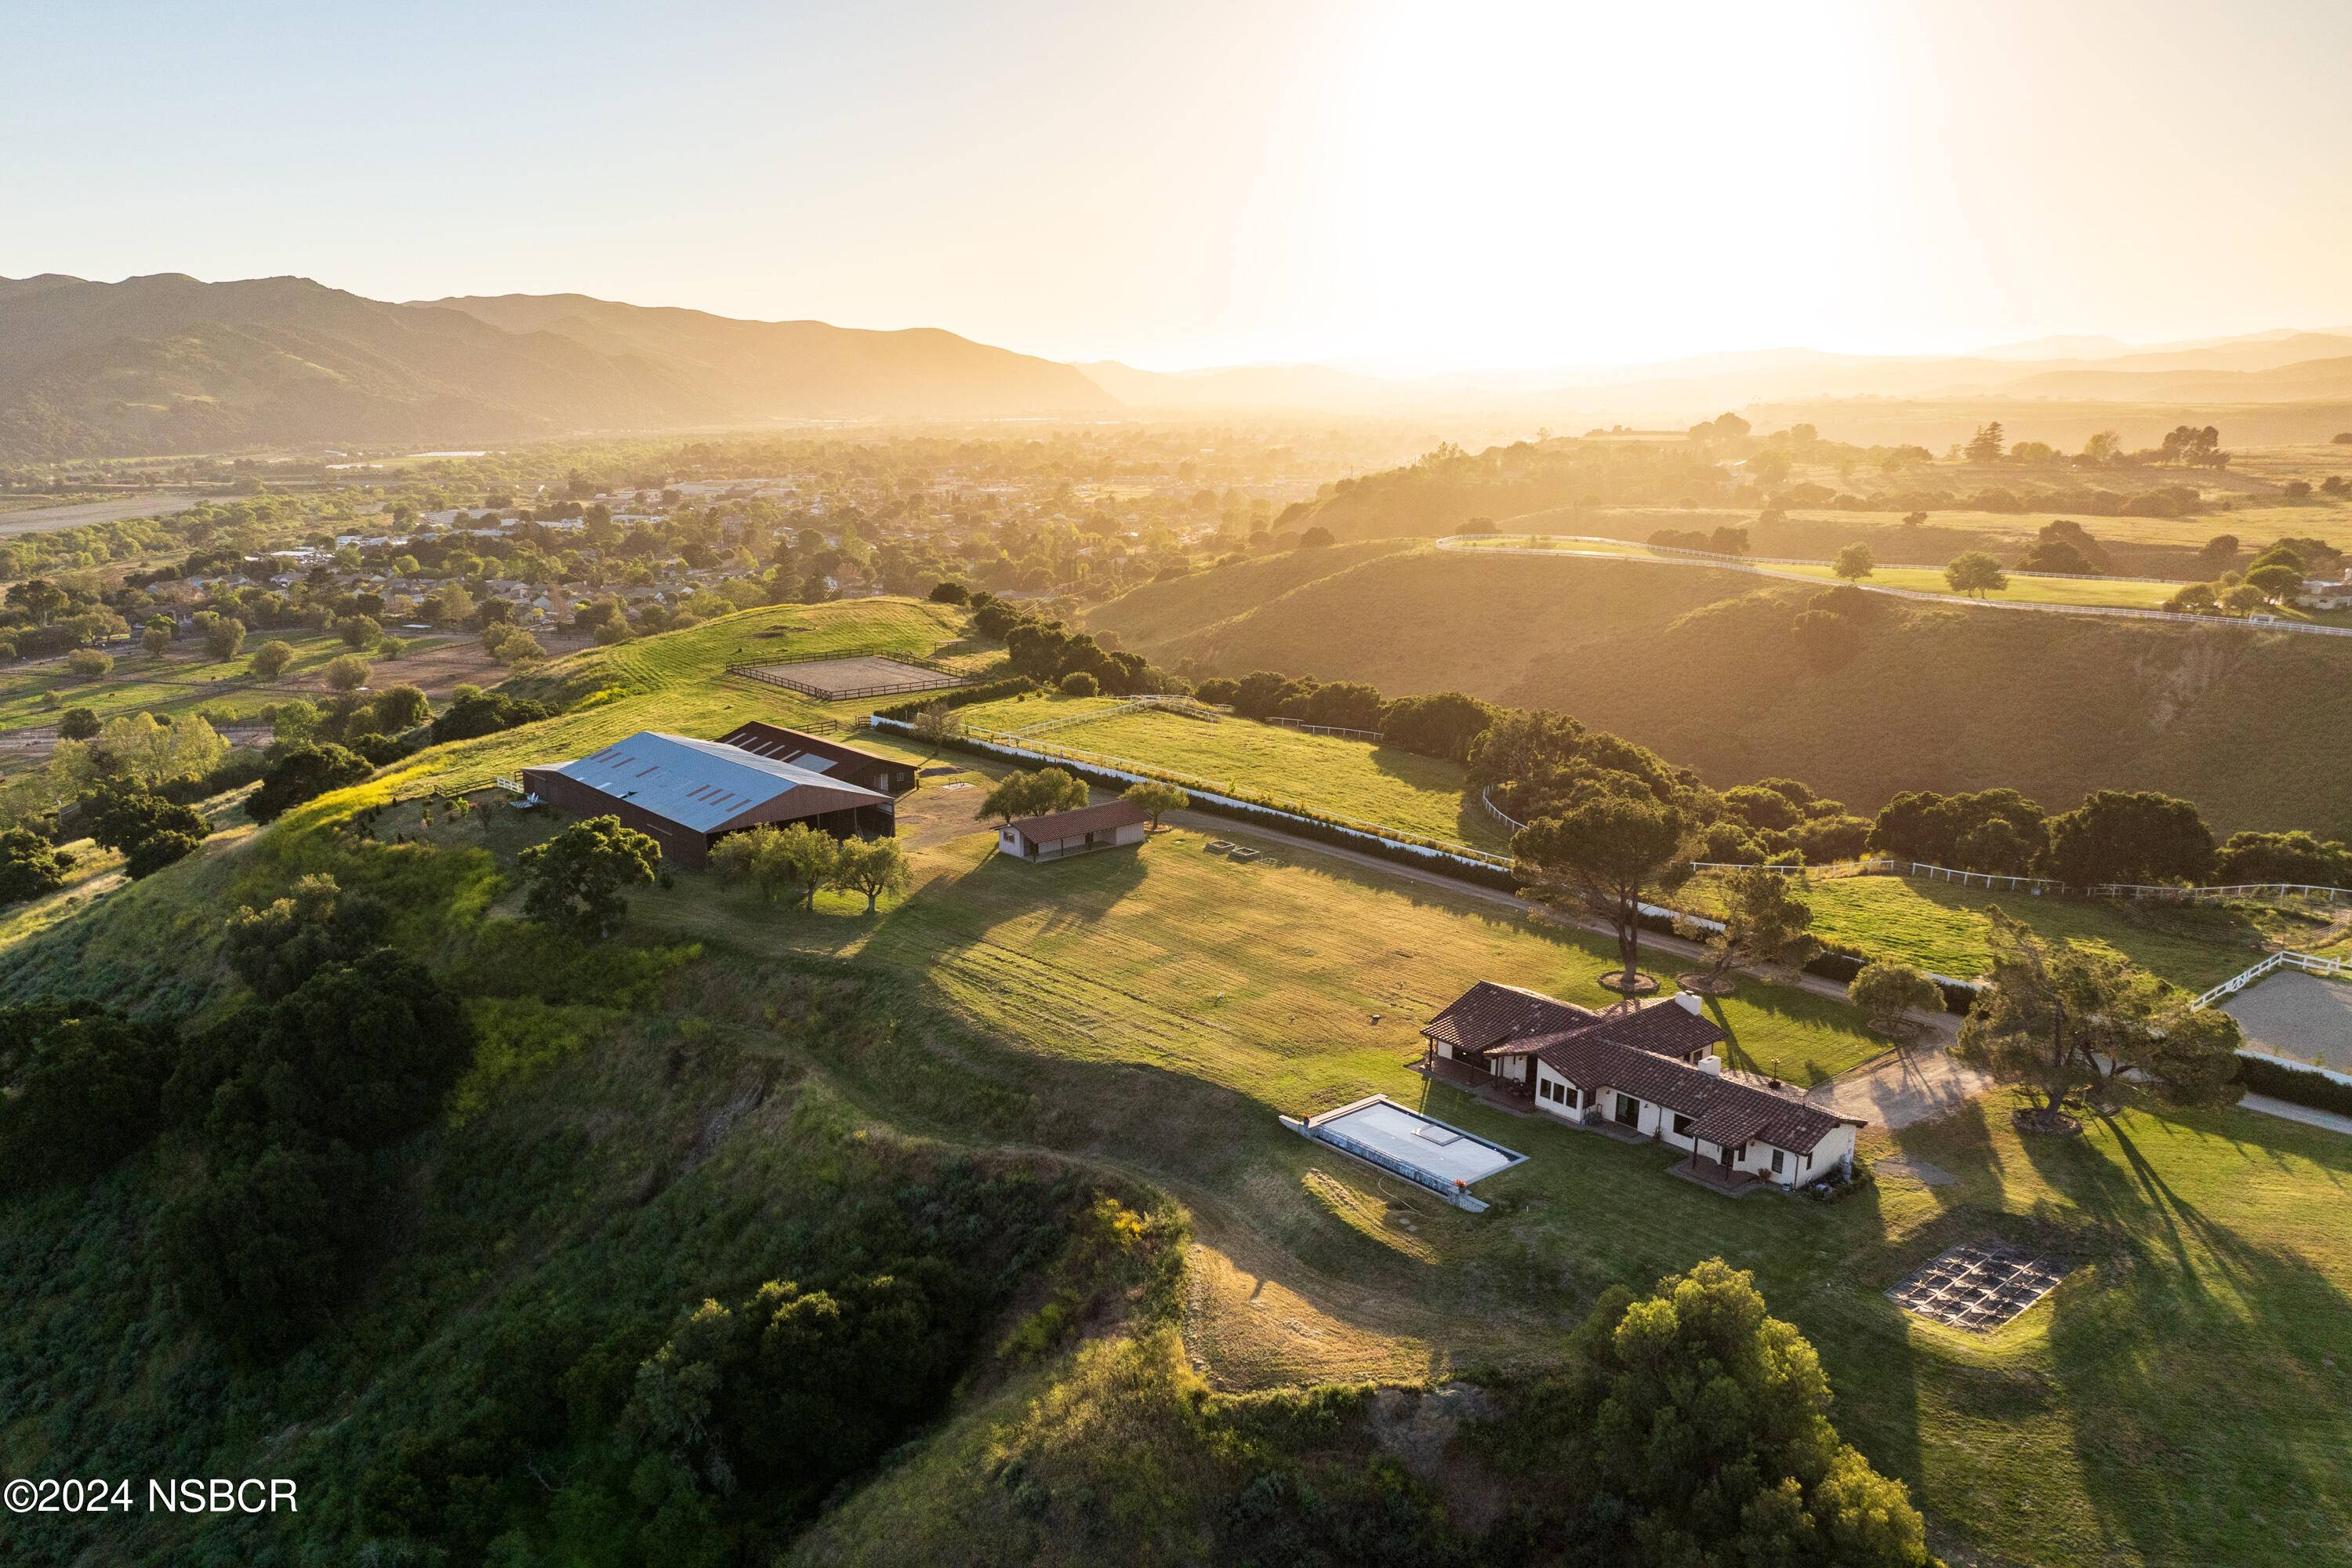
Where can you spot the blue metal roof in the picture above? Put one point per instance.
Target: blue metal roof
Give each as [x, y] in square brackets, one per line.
[703, 784]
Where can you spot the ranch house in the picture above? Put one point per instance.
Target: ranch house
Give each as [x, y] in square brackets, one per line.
[1647, 1071]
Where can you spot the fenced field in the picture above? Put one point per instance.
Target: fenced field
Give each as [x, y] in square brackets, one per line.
[848, 678]
[1326, 775]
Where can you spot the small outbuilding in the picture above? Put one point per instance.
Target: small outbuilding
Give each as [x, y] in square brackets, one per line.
[1111, 824]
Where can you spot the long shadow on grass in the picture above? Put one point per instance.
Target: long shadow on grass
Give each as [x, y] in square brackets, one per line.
[2196, 1365]
[1960, 1143]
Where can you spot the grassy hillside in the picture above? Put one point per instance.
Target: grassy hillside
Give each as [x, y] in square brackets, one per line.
[1940, 927]
[735, 1092]
[2137, 546]
[1702, 667]
[2127, 593]
[1330, 774]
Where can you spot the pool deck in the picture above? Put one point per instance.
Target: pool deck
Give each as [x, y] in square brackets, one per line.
[1403, 1142]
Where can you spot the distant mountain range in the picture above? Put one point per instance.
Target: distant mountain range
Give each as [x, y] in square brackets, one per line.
[168, 363]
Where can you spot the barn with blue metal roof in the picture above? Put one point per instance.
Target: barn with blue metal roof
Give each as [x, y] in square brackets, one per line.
[687, 793]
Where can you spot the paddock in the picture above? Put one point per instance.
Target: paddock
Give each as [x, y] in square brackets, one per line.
[844, 680]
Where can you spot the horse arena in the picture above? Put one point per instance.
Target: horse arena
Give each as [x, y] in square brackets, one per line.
[842, 680]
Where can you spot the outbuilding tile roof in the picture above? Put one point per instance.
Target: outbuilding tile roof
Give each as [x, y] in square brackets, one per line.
[1085, 820]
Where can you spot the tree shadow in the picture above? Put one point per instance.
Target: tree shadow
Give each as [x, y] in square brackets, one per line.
[1959, 1141]
[2192, 1360]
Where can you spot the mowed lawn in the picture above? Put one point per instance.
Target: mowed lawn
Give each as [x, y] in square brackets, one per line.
[1940, 926]
[1421, 796]
[2173, 1403]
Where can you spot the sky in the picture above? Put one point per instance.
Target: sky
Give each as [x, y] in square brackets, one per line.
[1391, 186]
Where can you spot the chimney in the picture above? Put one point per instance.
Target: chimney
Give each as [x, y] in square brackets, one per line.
[1688, 1001]
[1711, 1063]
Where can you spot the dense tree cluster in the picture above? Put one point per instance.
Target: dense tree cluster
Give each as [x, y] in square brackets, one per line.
[1050, 653]
[152, 832]
[1690, 1426]
[2115, 836]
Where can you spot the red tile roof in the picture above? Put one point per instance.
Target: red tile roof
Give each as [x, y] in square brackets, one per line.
[1505, 1020]
[1077, 823]
[1722, 1110]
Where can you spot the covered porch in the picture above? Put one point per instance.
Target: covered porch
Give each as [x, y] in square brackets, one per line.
[1471, 1077]
[1711, 1171]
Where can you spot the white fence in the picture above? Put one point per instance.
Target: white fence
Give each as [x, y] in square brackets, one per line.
[2306, 962]
[1659, 556]
[1006, 745]
[1835, 868]
[1177, 704]
[1487, 799]
[1326, 729]
[1895, 868]
[2163, 894]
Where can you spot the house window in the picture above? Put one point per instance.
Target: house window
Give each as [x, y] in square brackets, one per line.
[1779, 1159]
[1682, 1125]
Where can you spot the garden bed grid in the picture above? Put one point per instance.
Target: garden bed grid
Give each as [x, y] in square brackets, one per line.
[1978, 1287]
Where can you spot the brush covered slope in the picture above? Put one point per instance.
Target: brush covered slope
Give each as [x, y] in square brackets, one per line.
[1709, 669]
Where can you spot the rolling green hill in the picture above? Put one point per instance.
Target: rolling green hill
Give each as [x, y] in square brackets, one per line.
[1702, 666]
[1056, 1088]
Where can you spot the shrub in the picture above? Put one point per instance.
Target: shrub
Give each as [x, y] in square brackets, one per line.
[304, 773]
[347, 673]
[29, 866]
[88, 663]
[86, 1087]
[960, 697]
[1889, 992]
[1079, 683]
[477, 712]
[76, 724]
[1438, 725]
[574, 880]
[157, 850]
[2294, 1084]
[270, 659]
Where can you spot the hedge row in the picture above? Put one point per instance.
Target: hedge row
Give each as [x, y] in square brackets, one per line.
[2297, 1085]
[960, 696]
[1842, 964]
[1282, 821]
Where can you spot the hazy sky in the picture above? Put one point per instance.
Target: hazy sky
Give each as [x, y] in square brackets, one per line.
[1393, 185]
